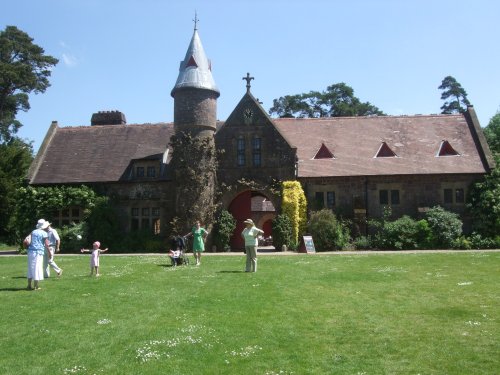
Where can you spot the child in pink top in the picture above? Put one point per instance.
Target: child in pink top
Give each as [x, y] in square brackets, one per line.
[94, 257]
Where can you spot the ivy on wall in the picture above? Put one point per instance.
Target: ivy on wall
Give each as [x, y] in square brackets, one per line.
[294, 205]
[40, 202]
[194, 164]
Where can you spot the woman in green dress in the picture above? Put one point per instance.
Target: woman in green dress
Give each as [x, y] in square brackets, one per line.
[199, 236]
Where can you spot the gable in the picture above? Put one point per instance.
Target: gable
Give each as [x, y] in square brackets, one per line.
[249, 117]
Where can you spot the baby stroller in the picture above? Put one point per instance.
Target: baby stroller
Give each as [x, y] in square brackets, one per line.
[177, 251]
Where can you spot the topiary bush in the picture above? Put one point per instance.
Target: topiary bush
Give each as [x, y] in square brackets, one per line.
[328, 232]
[282, 232]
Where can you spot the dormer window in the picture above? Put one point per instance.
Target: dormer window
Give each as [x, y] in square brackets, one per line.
[192, 62]
[385, 151]
[323, 153]
[445, 149]
[151, 172]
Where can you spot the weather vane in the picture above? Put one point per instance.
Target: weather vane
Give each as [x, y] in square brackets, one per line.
[248, 79]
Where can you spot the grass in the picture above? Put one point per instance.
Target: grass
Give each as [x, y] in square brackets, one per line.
[420, 313]
[4, 247]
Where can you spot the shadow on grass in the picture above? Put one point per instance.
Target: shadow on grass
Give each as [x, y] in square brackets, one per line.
[14, 289]
[165, 265]
[230, 271]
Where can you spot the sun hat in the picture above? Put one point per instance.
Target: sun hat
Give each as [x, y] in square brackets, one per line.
[97, 243]
[42, 224]
[249, 221]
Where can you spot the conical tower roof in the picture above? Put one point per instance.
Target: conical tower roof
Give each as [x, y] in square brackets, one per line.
[195, 70]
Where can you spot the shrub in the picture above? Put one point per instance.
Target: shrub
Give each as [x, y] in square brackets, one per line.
[362, 243]
[69, 240]
[224, 228]
[446, 227]
[328, 232]
[404, 233]
[399, 234]
[105, 223]
[138, 241]
[282, 232]
[294, 205]
[476, 241]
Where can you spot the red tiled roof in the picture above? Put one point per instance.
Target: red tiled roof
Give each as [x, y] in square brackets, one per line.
[103, 153]
[355, 141]
[98, 153]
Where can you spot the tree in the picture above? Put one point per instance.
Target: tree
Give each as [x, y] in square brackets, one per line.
[455, 95]
[338, 100]
[492, 133]
[24, 68]
[484, 204]
[15, 159]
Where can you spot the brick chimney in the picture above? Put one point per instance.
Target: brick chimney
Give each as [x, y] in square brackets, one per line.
[108, 118]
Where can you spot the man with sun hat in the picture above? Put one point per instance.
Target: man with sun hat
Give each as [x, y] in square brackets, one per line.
[250, 234]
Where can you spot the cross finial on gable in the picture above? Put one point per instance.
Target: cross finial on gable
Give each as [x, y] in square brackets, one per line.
[196, 19]
[248, 79]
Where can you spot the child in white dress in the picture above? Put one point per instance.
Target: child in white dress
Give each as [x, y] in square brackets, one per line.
[94, 257]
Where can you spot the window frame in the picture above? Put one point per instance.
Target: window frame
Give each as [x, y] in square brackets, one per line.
[389, 196]
[240, 152]
[257, 151]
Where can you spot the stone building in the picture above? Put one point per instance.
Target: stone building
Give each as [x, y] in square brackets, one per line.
[353, 165]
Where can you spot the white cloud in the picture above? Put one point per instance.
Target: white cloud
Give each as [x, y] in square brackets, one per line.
[69, 60]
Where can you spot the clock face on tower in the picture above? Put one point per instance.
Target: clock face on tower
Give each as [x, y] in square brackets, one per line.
[247, 115]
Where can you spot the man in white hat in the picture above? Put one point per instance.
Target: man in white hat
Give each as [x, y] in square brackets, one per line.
[250, 234]
[54, 246]
[39, 243]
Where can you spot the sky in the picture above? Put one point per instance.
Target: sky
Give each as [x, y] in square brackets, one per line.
[124, 54]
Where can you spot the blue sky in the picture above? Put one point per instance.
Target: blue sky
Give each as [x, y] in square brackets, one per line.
[124, 54]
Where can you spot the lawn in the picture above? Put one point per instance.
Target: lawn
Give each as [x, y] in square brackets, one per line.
[425, 313]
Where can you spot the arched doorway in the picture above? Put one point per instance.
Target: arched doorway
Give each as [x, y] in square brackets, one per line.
[253, 205]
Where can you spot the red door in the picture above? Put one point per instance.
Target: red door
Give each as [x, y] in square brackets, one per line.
[241, 210]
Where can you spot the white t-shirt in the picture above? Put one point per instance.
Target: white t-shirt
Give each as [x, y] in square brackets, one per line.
[53, 237]
[250, 236]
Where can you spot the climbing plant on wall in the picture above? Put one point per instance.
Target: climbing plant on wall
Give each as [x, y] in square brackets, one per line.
[194, 163]
[40, 202]
[294, 205]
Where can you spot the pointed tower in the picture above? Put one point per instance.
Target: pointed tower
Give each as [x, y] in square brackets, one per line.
[195, 93]
[194, 156]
